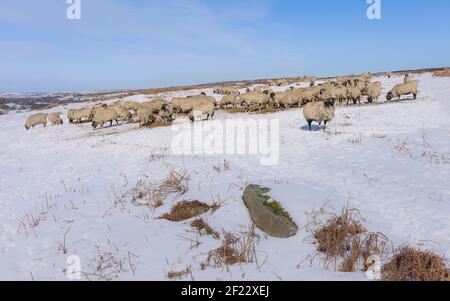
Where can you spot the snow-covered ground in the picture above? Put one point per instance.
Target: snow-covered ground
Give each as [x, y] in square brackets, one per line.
[58, 187]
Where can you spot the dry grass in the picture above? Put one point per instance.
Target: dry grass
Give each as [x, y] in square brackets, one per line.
[442, 73]
[108, 266]
[175, 183]
[235, 249]
[434, 156]
[185, 210]
[409, 264]
[344, 240]
[204, 229]
[180, 274]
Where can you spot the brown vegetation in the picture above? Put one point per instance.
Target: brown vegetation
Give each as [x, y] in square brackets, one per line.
[204, 229]
[185, 210]
[344, 240]
[235, 249]
[409, 264]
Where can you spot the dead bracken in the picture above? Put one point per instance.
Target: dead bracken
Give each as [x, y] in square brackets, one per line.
[235, 249]
[185, 210]
[345, 241]
[180, 274]
[409, 264]
[204, 229]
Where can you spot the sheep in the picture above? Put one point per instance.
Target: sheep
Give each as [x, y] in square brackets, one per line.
[201, 112]
[231, 99]
[132, 105]
[55, 118]
[226, 90]
[340, 93]
[255, 98]
[373, 91]
[166, 112]
[122, 112]
[145, 116]
[407, 78]
[103, 116]
[410, 87]
[283, 99]
[77, 115]
[319, 112]
[186, 105]
[389, 75]
[362, 86]
[155, 105]
[353, 94]
[35, 120]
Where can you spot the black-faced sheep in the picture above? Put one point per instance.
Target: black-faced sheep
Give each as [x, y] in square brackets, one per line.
[319, 112]
[103, 116]
[145, 116]
[202, 112]
[373, 91]
[55, 118]
[77, 115]
[410, 87]
[35, 120]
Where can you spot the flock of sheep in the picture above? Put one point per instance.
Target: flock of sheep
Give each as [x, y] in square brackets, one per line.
[318, 103]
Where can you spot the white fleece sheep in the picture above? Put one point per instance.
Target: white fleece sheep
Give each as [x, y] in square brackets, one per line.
[353, 94]
[410, 87]
[255, 98]
[145, 116]
[122, 112]
[35, 120]
[201, 112]
[318, 112]
[103, 116]
[132, 105]
[55, 118]
[186, 105]
[231, 99]
[77, 115]
[373, 91]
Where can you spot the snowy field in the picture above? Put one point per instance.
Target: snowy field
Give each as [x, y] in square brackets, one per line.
[60, 186]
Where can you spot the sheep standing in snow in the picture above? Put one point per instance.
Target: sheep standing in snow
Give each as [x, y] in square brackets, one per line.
[122, 113]
[353, 94]
[202, 112]
[77, 115]
[319, 112]
[231, 99]
[226, 90]
[410, 87]
[186, 105]
[407, 78]
[166, 112]
[155, 105]
[35, 120]
[103, 116]
[145, 116]
[55, 118]
[373, 91]
[255, 99]
[132, 105]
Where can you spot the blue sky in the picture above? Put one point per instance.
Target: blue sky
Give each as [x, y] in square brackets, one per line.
[120, 44]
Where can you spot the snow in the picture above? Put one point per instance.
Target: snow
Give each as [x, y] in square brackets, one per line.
[390, 161]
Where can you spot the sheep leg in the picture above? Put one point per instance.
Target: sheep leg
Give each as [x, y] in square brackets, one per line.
[310, 125]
